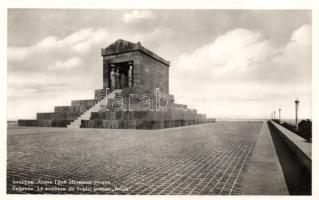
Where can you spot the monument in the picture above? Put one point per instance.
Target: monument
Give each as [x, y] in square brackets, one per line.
[135, 95]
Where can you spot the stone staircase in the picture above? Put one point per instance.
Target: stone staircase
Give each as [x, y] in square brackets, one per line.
[87, 114]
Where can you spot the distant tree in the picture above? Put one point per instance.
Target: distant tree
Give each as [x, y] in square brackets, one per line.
[277, 121]
[305, 129]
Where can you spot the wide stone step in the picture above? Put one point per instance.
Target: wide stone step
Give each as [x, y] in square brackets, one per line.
[86, 115]
[142, 124]
[73, 127]
[145, 115]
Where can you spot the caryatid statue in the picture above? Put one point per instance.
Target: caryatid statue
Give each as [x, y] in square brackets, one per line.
[130, 75]
[113, 77]
[117, 75]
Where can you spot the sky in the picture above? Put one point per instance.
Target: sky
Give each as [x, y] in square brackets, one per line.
[224, 63]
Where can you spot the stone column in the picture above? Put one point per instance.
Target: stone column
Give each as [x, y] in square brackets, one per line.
[113, 77]
[130, 75]
[117, 78]
[297, 107]
[106, 75]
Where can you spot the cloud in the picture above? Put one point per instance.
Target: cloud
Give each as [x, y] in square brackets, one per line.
[243, 66]
[232, 53]
[246, 55]
[293, 64]
[51, 72]
[302, 35]
[79, 42]
[67, 64]
[44, 62]
[137, 15]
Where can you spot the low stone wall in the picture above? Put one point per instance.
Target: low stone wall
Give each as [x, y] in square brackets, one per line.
[44, 123]
[298, 145]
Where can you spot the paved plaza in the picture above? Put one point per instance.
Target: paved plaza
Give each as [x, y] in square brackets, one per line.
[206, 159]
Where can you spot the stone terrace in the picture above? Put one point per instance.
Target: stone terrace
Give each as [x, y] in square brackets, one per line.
[200, 159]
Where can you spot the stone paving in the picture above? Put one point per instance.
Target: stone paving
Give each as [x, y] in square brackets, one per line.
[204, 159]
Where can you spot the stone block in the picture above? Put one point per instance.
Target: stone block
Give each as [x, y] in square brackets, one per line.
[95, 115]
[153, 115]
[122, 124]
[58, 116]
[166, 115]
[106, 124]
[142, 124]
[169, 123]
[75, 103]
[149, 124]
[131, 124]
[137, 115]
[60, 123]
[118, 115]
[91, 123]
[114, 124]
[126, 115]
[26, 122]
[84, 124]
[109, 115]
[98, 123]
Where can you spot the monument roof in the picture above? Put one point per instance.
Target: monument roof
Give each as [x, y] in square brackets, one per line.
[123, 46]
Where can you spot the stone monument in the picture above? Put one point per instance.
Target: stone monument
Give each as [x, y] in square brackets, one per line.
[135, 95]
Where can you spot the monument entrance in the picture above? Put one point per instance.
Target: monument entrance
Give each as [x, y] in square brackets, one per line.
[120, 75]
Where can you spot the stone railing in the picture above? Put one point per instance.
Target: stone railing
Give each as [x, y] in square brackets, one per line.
[298, 145]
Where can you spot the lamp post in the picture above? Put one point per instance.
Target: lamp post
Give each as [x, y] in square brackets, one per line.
[279, 113]
[274, 115]
[297, 108]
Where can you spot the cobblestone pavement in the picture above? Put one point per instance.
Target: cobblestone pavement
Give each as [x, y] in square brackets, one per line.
[197, 160]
